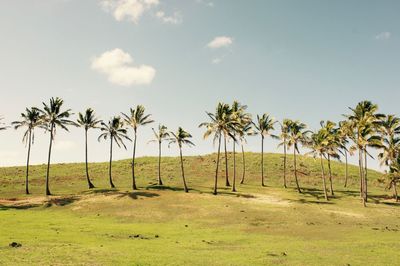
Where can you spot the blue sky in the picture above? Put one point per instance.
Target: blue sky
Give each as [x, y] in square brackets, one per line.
[306, 60]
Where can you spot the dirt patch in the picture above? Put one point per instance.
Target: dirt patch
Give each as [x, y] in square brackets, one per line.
[263, 199]
[348, 214]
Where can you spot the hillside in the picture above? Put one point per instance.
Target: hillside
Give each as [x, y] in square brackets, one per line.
[165, 226]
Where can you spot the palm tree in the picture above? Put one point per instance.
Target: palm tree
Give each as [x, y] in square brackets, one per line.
[284, 136]
[117, 132]
[264, 125]
[345, 133]
[242, 119]
[297, 135]
[30, 119]
[246, 130]
[182, 137]
[53, 117]
[221, 124]
[88, 120]
[319, 146]
[135, 119]
[363, 122]
[160, 135]
[389, 127]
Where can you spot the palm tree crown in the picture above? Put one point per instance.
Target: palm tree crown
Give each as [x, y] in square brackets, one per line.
[30, 119]
[114, 130]
[137, 117]
[88, 119]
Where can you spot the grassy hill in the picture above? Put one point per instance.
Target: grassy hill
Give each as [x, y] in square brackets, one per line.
[165, 226]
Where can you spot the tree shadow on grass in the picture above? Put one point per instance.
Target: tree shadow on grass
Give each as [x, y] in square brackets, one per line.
[305, 201]
[18, 207]
[61, 201]
[137, 194]
[163, 187]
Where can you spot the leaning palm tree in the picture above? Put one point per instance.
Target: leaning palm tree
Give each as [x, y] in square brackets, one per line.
[242, 119]
[220, 124]
[135, 119]
[246, 130]
[116, 131]
[30, 119]
[264, 125]
[297, 135]
[284, 136]
[181, 137]
[345, 133]
[53, 117]
[88, 120]
[159, 136]
[394, 177]
[319, 145]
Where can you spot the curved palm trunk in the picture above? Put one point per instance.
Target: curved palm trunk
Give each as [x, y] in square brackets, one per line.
[48, 161]
[183, 172]
[262, 161]
[323, 178]
[110, 165]
[365, 176]
[234, 168]
[216, 171]
[160, 183]
[90, 184]
[330, 175]
[347, 169]
[244, 166]
[395, 191]
[295, 169]
[27, 163]
[133, 163]
[226, 165]
[284, 163]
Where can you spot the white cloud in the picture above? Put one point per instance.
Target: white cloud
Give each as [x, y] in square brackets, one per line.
[220, 41]
[117, 66]
[385, 35]
[176, 18]
[206, 3]
[216, 61]
[131, 10]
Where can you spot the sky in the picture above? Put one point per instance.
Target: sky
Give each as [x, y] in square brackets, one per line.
[308, 60]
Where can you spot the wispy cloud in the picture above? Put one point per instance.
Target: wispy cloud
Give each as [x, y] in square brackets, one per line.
[131, 10]
[206, 3]
[385, 35]
[117, 65]
[220, 41]
[175, 18]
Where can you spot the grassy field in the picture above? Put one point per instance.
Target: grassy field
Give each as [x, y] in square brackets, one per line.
[165, 226]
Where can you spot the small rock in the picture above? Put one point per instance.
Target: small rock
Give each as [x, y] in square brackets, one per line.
[186, 225]
[15, 245]
[156, 236]
[283, 254]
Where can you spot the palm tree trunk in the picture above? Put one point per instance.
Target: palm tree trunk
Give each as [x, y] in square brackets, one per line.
[160, 183]
[234, 168]
[244, 166]
[365, 176]
[347, 169]
[262, 161]
[183, 172]
[284, 163]
[133, 163]
[330, 175]
[90, 184]
[361, 165]
[110, 166]
[48, 161]
[395, 191]
[27, 163]
[226, 165]
[295, 169]
[323, 179]
[216, 171]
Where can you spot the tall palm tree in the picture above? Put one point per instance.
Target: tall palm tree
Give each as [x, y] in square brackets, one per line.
[389, 127]
[88, 120]
[181, 137]
[297, 135]
[116, 131]
[53, 117]
[363, 120]
[30, 119]
[246, 130]
[345, 133]
[284, 136]
[319, 145]
[159, 136]
[220, 124]
[242, 119]
[264, 125]
[135, 119]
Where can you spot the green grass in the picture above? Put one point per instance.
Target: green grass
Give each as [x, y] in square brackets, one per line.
[255, 226]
